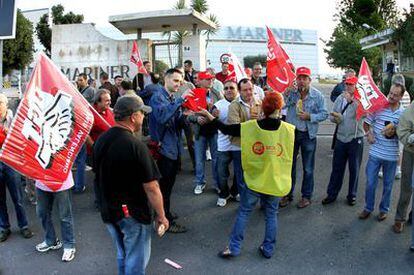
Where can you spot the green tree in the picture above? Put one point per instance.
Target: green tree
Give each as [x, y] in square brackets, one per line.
[18, 52]
[343, 48]
[405, 32]
[44, 31]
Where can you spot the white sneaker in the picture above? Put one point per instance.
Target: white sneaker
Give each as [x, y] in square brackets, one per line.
[221, 202]
[88, 168]
[43, 247]
[398, 175]
[237, 197]
[208, 155]
[68, 254]
[199, 189]
[380, 174]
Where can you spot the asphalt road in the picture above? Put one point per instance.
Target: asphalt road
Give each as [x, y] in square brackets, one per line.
[316, 240]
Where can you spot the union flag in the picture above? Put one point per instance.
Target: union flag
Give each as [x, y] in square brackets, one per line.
[49, 128]
[370, 98]
[280, 70]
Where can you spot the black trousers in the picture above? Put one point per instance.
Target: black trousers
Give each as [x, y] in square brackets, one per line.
[168, 169]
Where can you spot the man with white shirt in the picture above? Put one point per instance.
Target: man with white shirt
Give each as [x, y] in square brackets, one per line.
[242, 109]
[226, 151]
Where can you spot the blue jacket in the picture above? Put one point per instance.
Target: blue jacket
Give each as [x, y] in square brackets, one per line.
[314, 105]
[147, 92]
[337, 91]
[165, 122]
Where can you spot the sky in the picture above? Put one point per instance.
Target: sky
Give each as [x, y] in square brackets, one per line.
[300, 14]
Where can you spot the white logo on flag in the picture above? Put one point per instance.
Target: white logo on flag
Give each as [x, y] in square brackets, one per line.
[48, 123]
[366, 92]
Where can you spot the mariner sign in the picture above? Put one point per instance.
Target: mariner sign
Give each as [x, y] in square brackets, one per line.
[252, 33]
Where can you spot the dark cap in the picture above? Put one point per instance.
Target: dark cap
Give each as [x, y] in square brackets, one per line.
[129, 104]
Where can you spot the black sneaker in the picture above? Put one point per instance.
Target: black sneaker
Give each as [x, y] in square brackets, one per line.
[176, 228]
[328, 200]
[351, 202]
[26, 233]
[261, 250]
[4, 234]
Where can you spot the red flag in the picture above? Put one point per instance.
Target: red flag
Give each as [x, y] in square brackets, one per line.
[136, 59]
[370, 98]
[199, 100]
[49, 128]
[280, 70]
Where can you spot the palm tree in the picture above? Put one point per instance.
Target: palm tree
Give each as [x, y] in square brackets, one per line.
[201, 6]
[213, 18]
[177, 37]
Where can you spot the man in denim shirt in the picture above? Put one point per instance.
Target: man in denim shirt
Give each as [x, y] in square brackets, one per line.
[165, 127]
[305, 109]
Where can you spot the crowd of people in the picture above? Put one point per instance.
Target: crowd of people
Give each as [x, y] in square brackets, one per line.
[136, 145]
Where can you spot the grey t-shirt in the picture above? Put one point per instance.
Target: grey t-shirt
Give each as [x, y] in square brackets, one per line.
[89, 94]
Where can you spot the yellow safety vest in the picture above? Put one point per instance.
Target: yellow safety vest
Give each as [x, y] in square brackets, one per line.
[267, 158]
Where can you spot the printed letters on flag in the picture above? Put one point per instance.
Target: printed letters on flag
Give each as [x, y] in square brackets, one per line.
[371, 99]
[280, 70]
[49, 128]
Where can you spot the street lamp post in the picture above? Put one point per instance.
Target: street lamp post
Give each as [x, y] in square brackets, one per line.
[368, 27]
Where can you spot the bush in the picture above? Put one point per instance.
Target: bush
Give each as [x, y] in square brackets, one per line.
[160, 67]
[409, 84]
[386, 85]
[251, 59]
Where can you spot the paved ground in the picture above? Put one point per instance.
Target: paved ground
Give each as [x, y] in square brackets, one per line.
[316, 240]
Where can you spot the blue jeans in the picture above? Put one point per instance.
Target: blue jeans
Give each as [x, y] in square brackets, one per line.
[223, 162]
[307, 148]
[200, 148]
[248, 201]
[44, 212]
[373, 167]
[10, 179]
[133, 244]
[80, 168]
[412, 227]
[350, 152]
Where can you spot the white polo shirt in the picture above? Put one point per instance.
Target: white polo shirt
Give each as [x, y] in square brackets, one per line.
[223, 141]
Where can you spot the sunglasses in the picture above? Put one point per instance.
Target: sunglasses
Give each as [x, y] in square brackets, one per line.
[229, 88]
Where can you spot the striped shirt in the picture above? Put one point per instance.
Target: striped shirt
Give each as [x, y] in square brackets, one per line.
[384, 148]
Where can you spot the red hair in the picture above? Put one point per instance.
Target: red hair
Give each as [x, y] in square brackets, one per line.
[273, 101]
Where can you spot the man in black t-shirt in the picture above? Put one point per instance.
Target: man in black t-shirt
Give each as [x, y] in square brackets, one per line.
[127, 181]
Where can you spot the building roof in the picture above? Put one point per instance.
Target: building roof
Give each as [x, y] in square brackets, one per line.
[160, 21]
[377, 39]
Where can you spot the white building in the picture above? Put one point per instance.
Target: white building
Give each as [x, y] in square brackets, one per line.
[301, 46]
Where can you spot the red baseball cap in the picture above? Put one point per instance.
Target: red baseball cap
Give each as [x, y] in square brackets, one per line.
[303, 71]
[353, 80]
[205, 75]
